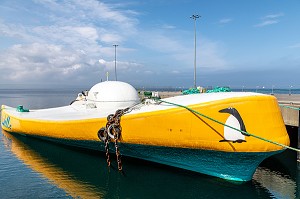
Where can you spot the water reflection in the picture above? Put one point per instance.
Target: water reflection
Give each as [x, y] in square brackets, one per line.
[280, 186]
[44, 161]
[279, 175]
[85, 175]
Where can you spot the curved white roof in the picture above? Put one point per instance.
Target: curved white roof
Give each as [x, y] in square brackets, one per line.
[113, 93]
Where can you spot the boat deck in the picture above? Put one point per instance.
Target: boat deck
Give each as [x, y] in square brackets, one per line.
[82, 111]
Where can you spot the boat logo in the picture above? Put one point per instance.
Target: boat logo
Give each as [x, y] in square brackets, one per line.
[6, 122]
[234, 120]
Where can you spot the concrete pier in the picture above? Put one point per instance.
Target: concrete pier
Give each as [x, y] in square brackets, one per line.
[291, 117]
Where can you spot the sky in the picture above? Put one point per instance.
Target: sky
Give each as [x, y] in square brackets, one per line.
[57, 43]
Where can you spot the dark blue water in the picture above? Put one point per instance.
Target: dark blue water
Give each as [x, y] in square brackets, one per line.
[30, 168]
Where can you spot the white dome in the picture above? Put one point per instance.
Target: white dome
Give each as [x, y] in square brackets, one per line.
[113, 94]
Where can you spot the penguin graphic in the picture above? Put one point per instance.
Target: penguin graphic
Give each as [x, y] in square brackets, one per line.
[235, 120]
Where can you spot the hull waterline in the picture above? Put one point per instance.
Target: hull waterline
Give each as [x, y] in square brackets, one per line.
[214, 163]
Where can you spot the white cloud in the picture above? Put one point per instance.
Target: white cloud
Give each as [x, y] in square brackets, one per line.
[160, 41]
[69, 37]
[93, 11]
[266, 23]
[89, 19]
[273, 16]
[174, 48]
[38, 60]
[87, 32]
[167, 26]
[210, 55]
[102, 61]
[269, 20]
[175, 72]
[121, 65]
[148, 72]
[297, 45]
[49, 63]
[225, 21]
[16, 31]
[111, 38]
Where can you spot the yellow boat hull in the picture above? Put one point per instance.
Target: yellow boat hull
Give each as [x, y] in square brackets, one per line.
[176, 136]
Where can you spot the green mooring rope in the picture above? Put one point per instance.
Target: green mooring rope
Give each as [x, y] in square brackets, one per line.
[244, 132]
[291, 107]
[190, 91]
[219, 89]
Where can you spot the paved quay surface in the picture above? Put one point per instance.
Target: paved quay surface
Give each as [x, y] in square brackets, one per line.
[293, 99]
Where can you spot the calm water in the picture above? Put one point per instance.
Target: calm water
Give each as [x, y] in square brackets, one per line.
[31, 168]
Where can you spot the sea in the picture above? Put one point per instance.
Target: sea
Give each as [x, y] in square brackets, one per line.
[32, 168]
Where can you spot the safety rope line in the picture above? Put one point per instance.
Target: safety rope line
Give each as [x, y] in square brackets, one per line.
[244, 132]
[291, 107]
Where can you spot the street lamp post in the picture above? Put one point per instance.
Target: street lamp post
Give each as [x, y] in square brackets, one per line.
[195, 17]
[116, 61]
[290, 90]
